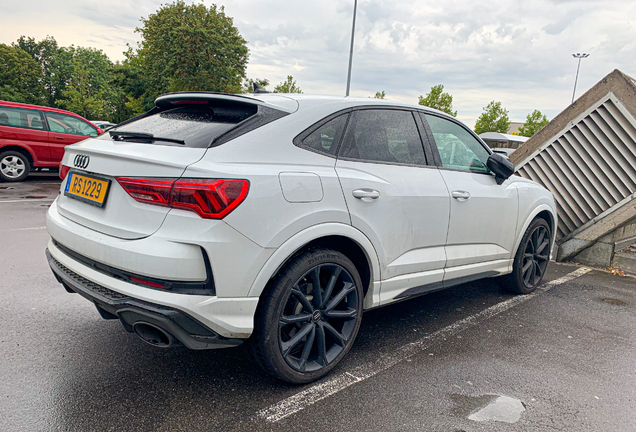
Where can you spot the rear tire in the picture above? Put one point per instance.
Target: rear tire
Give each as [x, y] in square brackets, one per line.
[531, 259]
[14, 166]
[302, 333]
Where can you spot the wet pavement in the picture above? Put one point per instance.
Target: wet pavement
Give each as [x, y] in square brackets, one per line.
[565, 359]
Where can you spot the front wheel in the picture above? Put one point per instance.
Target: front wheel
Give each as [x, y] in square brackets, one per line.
[531, 260]
[309, 317]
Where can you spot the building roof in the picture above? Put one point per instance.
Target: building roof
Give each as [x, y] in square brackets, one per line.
[496, 136]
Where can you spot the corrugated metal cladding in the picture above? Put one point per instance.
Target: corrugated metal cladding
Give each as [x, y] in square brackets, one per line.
[590, 166]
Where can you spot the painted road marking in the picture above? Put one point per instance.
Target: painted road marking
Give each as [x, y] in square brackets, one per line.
[25, 229]
[318, 392]
[28, 199]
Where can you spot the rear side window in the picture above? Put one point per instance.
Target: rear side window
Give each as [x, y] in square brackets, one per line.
[67, 124]
[22, 118]
[194, 126]
[325, 139]
[378, 135]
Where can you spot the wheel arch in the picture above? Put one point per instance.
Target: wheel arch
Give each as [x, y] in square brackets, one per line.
[343, 238]
[26, 152]
[543, 211]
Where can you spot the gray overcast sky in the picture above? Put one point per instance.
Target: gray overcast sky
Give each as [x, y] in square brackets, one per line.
[517, 52]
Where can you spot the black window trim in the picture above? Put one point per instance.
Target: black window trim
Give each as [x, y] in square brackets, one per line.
[435, 150]
[298, 139]
[413, 112]
[263, 116]
[40, 112]
[80, 119]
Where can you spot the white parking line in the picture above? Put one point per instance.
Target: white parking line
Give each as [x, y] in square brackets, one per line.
[318, 392]
[25, 229]
[28, 199]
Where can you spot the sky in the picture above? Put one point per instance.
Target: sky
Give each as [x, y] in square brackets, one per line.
[516, 52]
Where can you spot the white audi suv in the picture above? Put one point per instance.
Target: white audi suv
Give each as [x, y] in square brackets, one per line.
[217, 219]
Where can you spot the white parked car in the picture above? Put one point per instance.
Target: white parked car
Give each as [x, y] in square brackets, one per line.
[216, 219]
[104, 125]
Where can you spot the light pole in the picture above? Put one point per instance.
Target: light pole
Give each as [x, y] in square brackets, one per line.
[578, 56]
[353, 31]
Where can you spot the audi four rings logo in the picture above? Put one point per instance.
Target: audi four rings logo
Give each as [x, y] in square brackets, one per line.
[81, 161]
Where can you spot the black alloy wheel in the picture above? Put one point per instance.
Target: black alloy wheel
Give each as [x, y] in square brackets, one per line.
[535, 257]
[308, 317]
[531, 259]
[319, 317]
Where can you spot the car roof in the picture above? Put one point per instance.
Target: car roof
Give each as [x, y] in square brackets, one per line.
[38, 107]
[343, 101]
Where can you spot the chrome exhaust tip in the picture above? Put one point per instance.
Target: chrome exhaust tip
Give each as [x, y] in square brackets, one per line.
[153, 335]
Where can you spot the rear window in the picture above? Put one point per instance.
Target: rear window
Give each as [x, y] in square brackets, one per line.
[196, 126]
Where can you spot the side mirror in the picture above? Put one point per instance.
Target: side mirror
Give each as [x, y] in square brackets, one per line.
[501, 166]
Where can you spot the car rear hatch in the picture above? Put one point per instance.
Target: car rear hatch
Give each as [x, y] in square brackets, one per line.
[159, 144]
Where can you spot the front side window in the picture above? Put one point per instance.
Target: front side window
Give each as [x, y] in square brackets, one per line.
[458, 149]
[381, 135]
[325, 138]
[19, 117]
[67, 124]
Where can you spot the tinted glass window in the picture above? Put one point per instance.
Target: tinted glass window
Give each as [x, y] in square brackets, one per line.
[325, 138]
[383, 136]
[67, 124]
[196, 126]
[18, 117]
[458, 149]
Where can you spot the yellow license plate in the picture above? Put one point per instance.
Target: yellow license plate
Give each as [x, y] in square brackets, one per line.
[87, 188]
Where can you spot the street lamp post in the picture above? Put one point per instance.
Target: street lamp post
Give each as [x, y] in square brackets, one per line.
[353, 31]
[578, 56]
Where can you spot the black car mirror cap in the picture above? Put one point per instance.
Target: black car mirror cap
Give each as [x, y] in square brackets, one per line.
[501, 166]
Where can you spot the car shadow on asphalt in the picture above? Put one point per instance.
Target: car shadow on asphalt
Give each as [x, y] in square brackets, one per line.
[128, 385]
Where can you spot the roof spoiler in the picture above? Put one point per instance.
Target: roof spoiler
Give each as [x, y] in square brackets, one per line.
[172, 100]
[282, 104]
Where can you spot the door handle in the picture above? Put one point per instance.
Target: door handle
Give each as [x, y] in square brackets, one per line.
[366, 195]
[59, 138]
[460, 195]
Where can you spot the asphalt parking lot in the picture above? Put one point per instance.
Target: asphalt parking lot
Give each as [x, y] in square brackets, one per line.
[472, 358]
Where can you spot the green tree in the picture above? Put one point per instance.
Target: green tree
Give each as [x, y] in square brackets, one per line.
[189, 47]
[248, 84]
[20, 76]
[493, 119]
[88, 88]
[439, 100]
[55, 61]
[288, 86]
[379, 95]
[534, 122]
[125, 85]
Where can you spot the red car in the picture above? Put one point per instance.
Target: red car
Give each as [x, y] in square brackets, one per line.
[34, 136]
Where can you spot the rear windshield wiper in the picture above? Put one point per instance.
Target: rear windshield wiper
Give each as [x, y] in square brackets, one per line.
[141, 137]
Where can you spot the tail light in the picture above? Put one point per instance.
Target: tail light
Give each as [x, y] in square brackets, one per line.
[64, 170]
[149, 190]
[209, 198]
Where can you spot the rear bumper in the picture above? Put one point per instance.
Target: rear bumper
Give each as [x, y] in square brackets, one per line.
[112, 305]
[231, 318]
